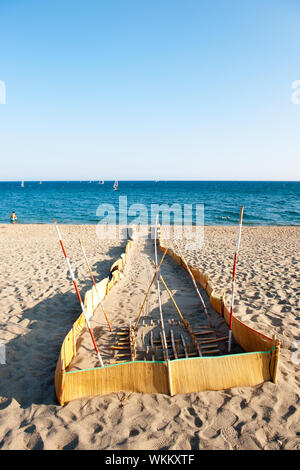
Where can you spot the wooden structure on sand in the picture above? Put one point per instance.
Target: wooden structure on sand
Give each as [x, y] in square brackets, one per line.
[179, 374]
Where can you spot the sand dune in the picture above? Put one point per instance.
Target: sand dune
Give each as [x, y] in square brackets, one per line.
[38, 306]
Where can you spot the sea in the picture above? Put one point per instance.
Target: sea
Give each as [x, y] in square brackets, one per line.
[90, 202]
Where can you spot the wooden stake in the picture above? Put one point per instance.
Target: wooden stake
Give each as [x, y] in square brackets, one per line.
[173, 344]
[184, 347]
[151, 339]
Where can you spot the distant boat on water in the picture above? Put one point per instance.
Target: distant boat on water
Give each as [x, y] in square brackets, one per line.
[22, 184]
[101, 182]
[116, 185]
[41, 182]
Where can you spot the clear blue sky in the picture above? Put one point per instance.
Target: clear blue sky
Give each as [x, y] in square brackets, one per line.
[138, 89]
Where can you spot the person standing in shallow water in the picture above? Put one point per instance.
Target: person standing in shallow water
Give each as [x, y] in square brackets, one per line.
[13, 217]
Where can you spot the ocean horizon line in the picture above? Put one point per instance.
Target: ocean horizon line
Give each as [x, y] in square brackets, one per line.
[150, 180]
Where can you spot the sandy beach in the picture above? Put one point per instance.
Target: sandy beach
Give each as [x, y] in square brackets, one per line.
[39, 306]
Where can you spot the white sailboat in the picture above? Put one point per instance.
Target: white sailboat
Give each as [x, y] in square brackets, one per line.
[22, 184]
[116, 185]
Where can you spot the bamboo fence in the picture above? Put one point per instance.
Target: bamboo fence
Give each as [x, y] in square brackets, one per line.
[259, 362]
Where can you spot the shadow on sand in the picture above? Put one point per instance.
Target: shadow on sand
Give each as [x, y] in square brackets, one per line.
[32, 353]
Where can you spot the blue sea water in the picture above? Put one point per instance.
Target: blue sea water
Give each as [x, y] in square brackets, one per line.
[266, 203]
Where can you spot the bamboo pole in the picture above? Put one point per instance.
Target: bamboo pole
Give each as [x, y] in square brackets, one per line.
[91, 273]
[159, 295]
[195, 284]
[149, 288]
[78, 294]
[164, 347]
[233, 277]
[173, 300]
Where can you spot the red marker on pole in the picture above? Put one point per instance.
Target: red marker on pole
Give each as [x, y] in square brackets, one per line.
[78, 294]
[233, 277]
[90, 270]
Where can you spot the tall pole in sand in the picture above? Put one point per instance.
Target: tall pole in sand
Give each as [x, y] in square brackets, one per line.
[78, 294]
[164, 341]
[90, 270]
[233, 278]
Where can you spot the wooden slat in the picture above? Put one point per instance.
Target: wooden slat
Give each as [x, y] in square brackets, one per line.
[213, 340]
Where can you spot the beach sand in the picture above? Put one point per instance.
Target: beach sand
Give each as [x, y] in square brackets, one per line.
[39, 305]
